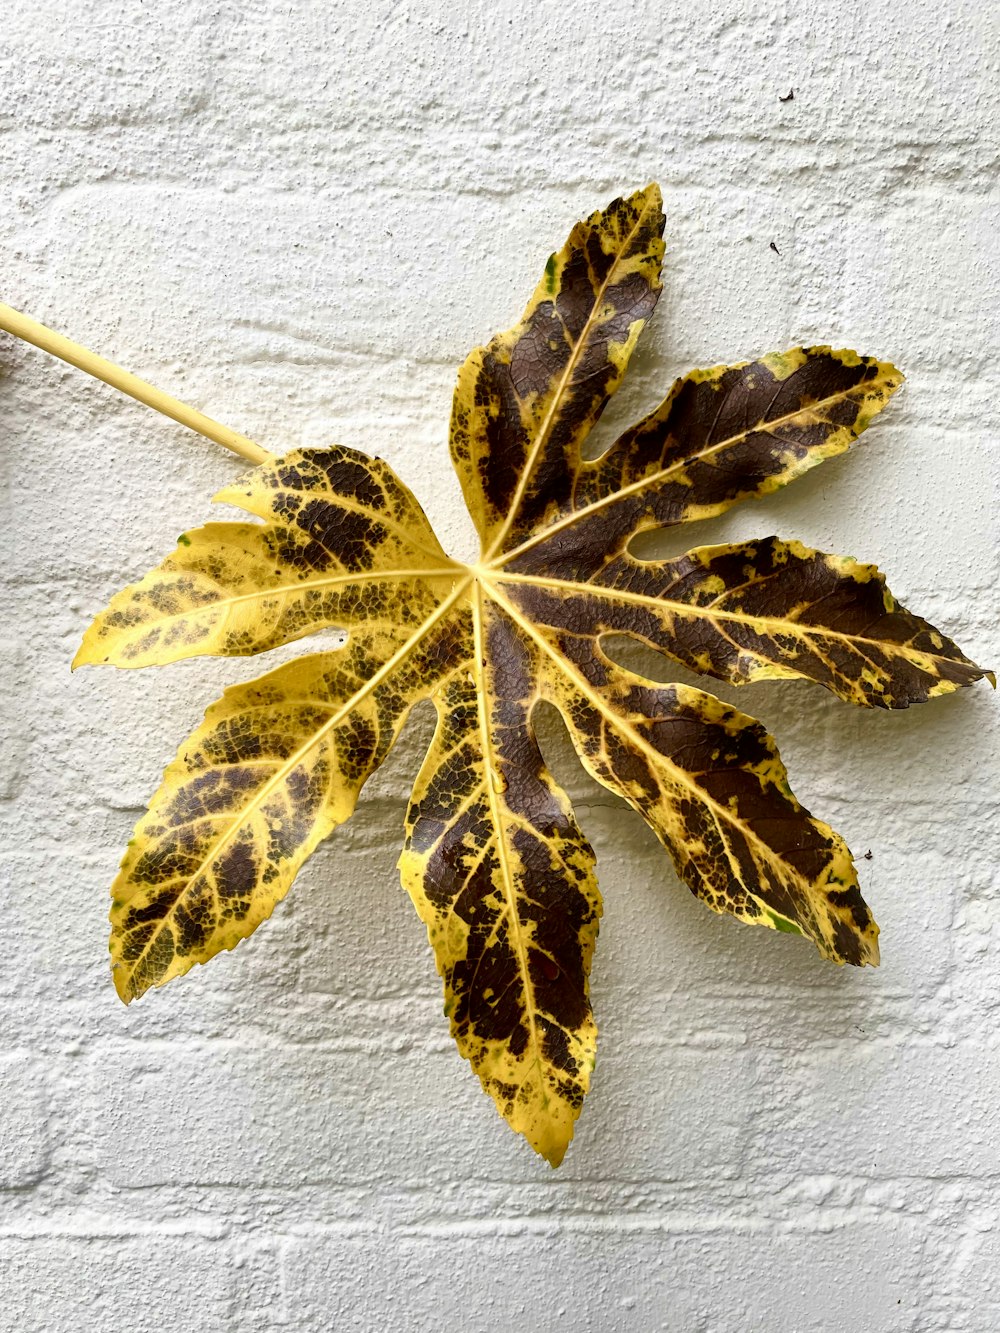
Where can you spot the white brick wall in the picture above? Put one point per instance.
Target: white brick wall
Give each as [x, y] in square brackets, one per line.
[300, 218]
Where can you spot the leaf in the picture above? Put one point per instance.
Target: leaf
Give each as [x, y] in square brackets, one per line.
[232, 589]
[709, 782]
[493, 859]
[721, 435]
[274, 768]
[760, 610]
[504, 880]
[526, 402]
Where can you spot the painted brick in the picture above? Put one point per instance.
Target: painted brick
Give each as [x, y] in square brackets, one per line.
[149, 1282]
[381, 1109]
[24, 1130]
[920, 1109]
[625, 1279]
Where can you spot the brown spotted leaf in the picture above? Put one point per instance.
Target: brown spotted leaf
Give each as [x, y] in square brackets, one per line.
[709, 782]
[493, 858]
[274, 768]
[343, 543]
[504, 880]
[759, 610]
[721, 435]
[526, 401]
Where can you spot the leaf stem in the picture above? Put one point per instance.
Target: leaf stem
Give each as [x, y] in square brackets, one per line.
[12, 321]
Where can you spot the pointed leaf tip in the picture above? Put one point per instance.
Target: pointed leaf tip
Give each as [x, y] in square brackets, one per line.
[526, 402]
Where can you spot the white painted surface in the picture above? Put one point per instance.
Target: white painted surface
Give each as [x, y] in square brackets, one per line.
[300, 217]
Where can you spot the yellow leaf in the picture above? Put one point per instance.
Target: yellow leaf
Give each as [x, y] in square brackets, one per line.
[503, 879]
[232, 589]
[493, 859]
[274, 768]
